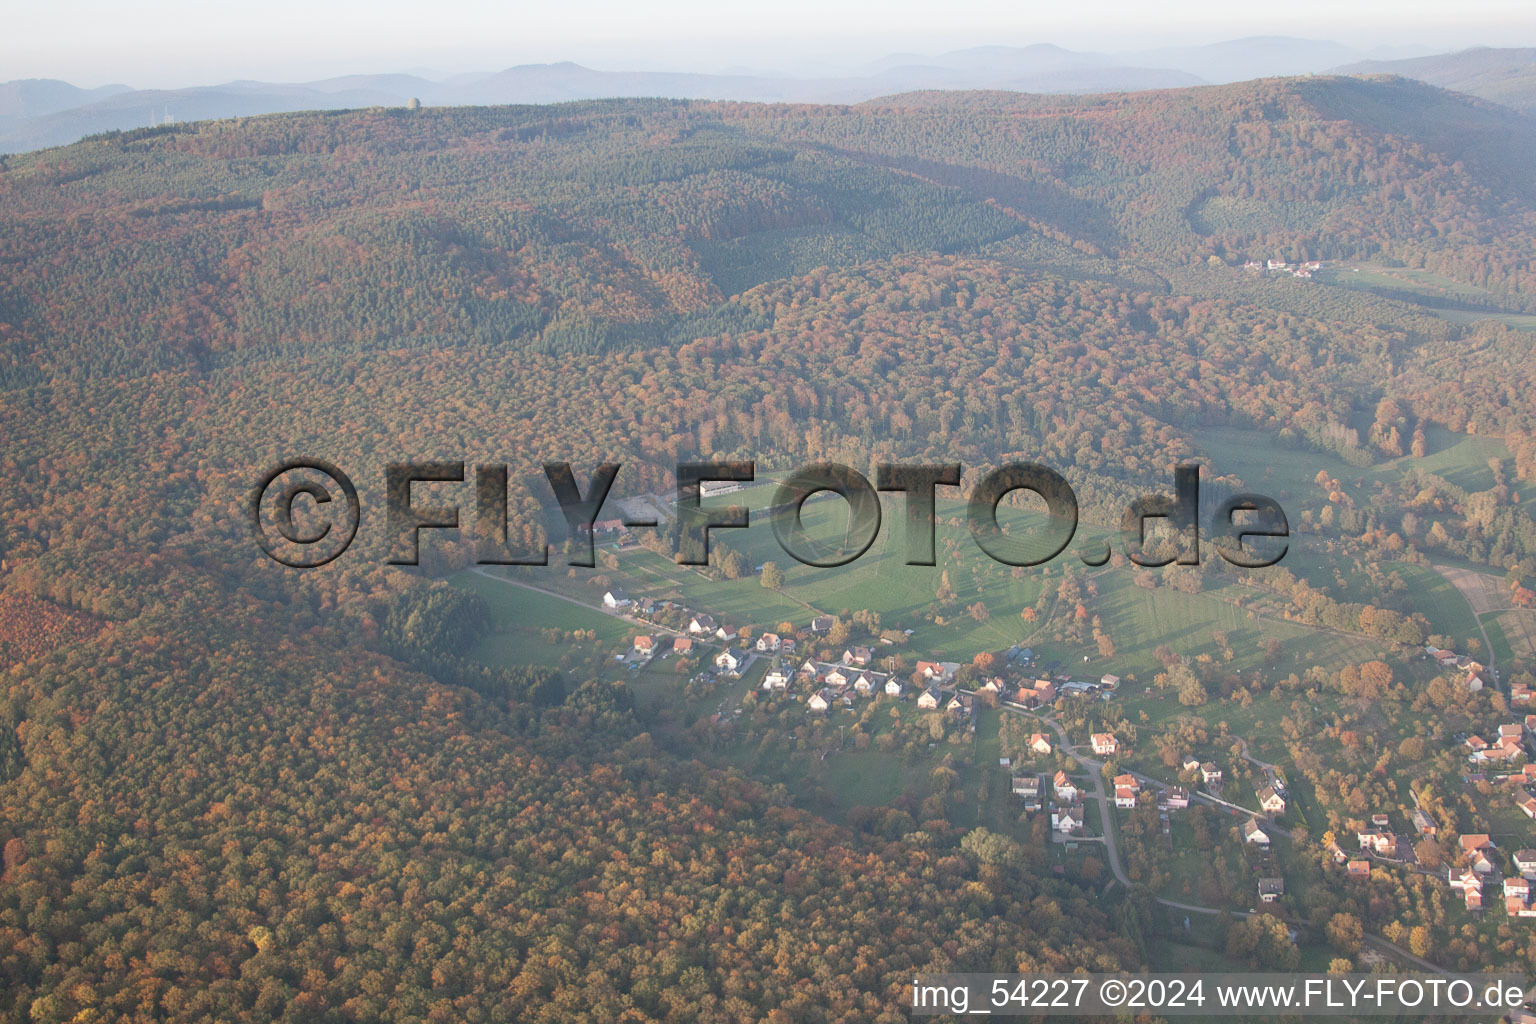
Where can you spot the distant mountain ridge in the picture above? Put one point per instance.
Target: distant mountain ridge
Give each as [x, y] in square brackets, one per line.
[1502, 75]
[37, 113]
[36, 97]
[552, 83]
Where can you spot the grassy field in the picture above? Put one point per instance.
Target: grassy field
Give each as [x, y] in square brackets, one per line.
[1286, 473]
[1421, 285]
[521, 614]
[1519, 321]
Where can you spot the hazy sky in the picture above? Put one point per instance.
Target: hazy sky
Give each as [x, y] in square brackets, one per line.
[182, 42]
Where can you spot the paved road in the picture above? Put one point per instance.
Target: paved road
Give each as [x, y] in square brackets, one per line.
[1111, 840]
[1112, 845]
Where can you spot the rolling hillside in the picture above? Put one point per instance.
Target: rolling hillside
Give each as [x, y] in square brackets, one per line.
[1502, 75]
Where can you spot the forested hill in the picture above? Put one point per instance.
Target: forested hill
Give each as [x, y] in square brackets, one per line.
[573, 226]
[230, 791]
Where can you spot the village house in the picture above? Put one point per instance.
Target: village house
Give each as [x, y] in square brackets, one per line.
[1424, 824]
[821, 624]
[929, 701]
[1476, 849]
[1027, 789]
[1125, 798]
[1525, 863]
[1109, 681]
[1066, 791]
[1519, 693]
[1383, 844]
[1527, 805]
[1039, 743]
[1104, 743]
[682, 645]
[776, 679]
[1470, 884]
[769, 643]
[1209, 773]
[1271, 802]
[1253, 833]
[1175, 798]
[1476, 841]
[819, 701]
[644, 645]
[616, 598]
[731, 659]
[863, 684]
[702, 625]
[1271, 889]
[893, 687]
[859, 656]
[836, 677]
[1359, 869]
[1506, 750]
[1067, 820]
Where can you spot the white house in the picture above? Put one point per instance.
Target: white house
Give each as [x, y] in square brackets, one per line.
[1065, 789]
[701, 625]
[1271, 889]
[1252, 833]
[1039, 743]
[1271, 802]
[769, 643]
[731, 659]
[776, 679]
[1026, 786]
[616, 598]
[1525, 863]
[1067, 820]
[1104, 743]
[893, 687]
[818, 701]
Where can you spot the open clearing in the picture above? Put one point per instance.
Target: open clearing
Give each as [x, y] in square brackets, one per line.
[1486, 594]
